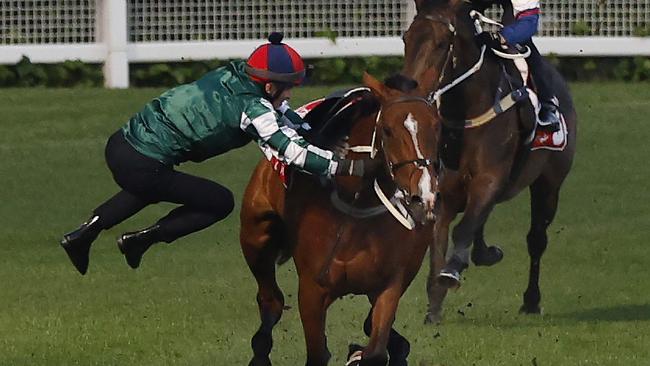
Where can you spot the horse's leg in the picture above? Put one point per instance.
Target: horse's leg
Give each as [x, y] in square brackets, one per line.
[480, 202]
[381, 319]
[314, 301]
[543, 205]
[483, 255]
[437, 253]
[398, 346]
[261, 250]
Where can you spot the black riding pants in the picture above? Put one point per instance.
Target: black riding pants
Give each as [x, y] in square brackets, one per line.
[145, 181]
[541, 76]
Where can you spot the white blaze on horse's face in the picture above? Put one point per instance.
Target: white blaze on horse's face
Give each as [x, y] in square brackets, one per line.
[424, 185]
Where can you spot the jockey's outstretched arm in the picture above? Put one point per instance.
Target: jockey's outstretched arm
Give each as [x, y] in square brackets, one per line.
[290, 118]
[284, 143]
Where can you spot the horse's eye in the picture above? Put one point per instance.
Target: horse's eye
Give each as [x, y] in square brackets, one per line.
[442, 46]
[387, 131]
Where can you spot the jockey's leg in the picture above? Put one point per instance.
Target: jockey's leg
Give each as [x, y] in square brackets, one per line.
[549, 114]
[115, 210]
[131, 170]
[204, 203]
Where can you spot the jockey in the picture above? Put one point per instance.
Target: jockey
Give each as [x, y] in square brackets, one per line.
[521, 19]
[224, 110]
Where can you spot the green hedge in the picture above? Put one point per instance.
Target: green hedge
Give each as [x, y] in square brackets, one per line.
[326, 71]
[66, 74]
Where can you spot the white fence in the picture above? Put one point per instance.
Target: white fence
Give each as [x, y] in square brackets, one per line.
[119, 32]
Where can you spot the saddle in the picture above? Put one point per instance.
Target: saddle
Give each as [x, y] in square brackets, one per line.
[332, 117]
[533, 137]
[329, 119]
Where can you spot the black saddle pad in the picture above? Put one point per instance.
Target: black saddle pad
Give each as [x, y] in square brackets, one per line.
[333, 117]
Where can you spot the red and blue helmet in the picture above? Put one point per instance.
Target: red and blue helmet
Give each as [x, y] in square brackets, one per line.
[276, 62]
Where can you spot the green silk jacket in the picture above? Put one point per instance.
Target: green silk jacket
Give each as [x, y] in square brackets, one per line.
[221, 111]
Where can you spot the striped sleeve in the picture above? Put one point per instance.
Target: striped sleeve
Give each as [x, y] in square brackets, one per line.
[282, 142]
[290, 118]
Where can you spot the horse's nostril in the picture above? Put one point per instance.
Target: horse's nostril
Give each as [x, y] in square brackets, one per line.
[416, 199]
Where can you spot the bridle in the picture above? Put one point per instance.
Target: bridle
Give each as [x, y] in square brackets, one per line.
[419, 162]
[394, 207]
[435, 95]
[436, 18]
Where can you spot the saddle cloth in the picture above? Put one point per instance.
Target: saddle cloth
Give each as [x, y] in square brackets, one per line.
[541, 137]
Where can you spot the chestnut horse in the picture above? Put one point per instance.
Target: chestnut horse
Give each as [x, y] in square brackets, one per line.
[494, 162]
[340, 252]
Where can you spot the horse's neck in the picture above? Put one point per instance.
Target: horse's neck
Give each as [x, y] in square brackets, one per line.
[475, 95]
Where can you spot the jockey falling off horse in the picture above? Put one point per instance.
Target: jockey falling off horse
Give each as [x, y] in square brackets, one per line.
[521, 19]
[224, 110]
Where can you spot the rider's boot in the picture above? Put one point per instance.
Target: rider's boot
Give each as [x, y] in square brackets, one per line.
[134, 244]
[77, 243]
[549, 115]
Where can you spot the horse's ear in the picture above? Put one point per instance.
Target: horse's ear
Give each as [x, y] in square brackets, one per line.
[428, 80]
[378, 88]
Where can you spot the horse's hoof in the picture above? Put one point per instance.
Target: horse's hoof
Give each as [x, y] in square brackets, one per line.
[433, 318]
[355, 353]
[533, 309]
[449, 279]
[491, 256]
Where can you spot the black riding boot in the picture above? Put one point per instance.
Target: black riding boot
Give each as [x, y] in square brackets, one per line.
[133, 245]
[549, 115]
[77, 243]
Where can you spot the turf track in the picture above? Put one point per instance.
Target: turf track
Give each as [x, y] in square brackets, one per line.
[193, 302]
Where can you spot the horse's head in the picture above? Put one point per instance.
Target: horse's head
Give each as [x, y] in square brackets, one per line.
[430, 40]
[407, 133]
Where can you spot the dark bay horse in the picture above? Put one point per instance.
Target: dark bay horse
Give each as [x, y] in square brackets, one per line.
[494, 164]
[340, 252]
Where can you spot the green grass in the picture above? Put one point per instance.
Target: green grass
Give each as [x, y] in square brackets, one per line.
[193, 302]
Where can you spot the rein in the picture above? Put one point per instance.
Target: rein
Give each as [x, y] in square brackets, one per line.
[392, 205]
[434, 97]
[420, 162]
[501, 105]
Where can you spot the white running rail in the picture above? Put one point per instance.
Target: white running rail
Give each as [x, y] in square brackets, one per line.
[119, 32]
